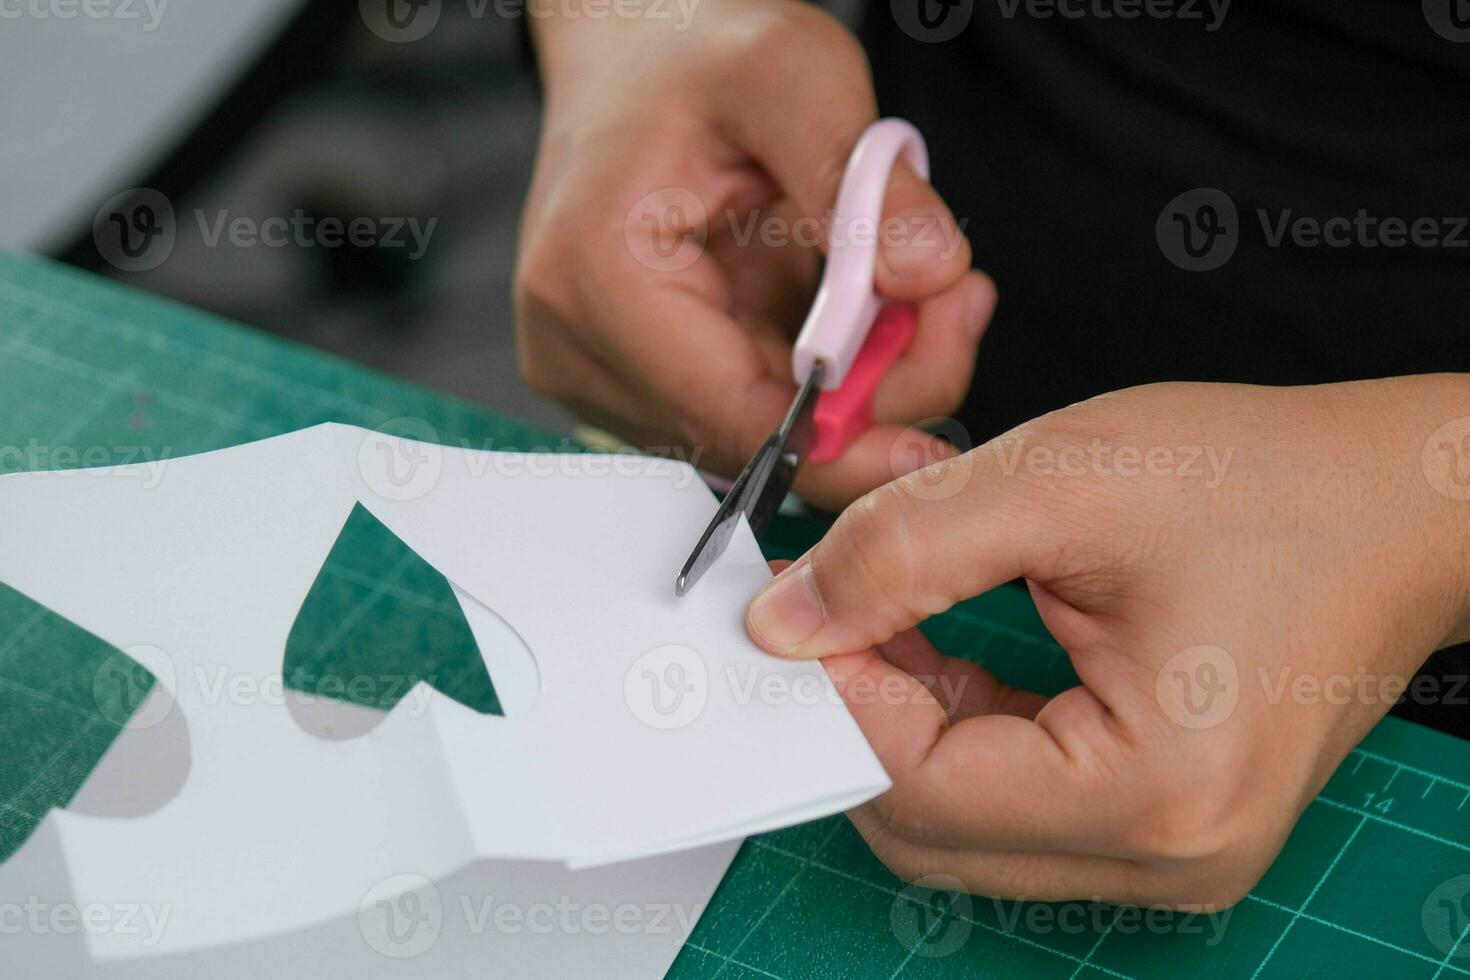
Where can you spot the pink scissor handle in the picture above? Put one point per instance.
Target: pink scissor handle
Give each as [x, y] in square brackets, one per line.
[846, 307]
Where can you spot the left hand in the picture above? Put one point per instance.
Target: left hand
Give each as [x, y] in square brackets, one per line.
[1198, 550]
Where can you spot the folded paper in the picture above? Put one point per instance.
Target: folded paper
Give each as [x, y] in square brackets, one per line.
[642, 735]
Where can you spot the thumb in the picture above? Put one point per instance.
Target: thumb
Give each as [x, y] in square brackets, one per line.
[904, 552]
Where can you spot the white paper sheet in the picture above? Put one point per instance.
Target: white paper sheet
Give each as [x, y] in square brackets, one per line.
[657, 738]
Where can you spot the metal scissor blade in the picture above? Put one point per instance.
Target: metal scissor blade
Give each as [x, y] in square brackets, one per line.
[716, 537]
[761, 486]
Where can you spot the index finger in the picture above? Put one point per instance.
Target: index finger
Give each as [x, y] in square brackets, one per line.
[671, 342]
[989, 782]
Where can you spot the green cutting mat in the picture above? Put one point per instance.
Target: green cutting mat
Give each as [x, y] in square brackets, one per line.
[92, 374]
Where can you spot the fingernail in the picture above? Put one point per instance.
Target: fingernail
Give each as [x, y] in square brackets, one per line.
[977, 308]
[788, 611]
[914, 242]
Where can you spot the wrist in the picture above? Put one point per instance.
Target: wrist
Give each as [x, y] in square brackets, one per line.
[1421, 428]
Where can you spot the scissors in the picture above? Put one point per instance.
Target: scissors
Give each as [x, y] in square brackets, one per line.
[850, 339]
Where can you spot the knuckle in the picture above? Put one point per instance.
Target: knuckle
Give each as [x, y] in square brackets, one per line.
[832, 150]
[904, 864]
[876, 547]
[790, 46]
[940, 394]
[542, 374]
[902, 815]
[895, 852]
[1224, 894]
[1191, 820]
[790, 38]
[1208, 888]
[902, 859]
[543, 306]
[715, 434]
[1046, 479]
[951, 386]
[535, 287]
[537, 375]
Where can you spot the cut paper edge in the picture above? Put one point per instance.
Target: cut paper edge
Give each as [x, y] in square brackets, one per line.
[736, 830]
[413, 773]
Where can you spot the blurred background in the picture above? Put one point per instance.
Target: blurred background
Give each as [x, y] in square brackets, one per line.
[419, 114]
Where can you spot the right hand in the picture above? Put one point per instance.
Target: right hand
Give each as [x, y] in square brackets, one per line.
[657, 139]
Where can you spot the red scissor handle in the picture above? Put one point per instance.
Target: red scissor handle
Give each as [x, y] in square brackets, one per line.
[846, 412]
